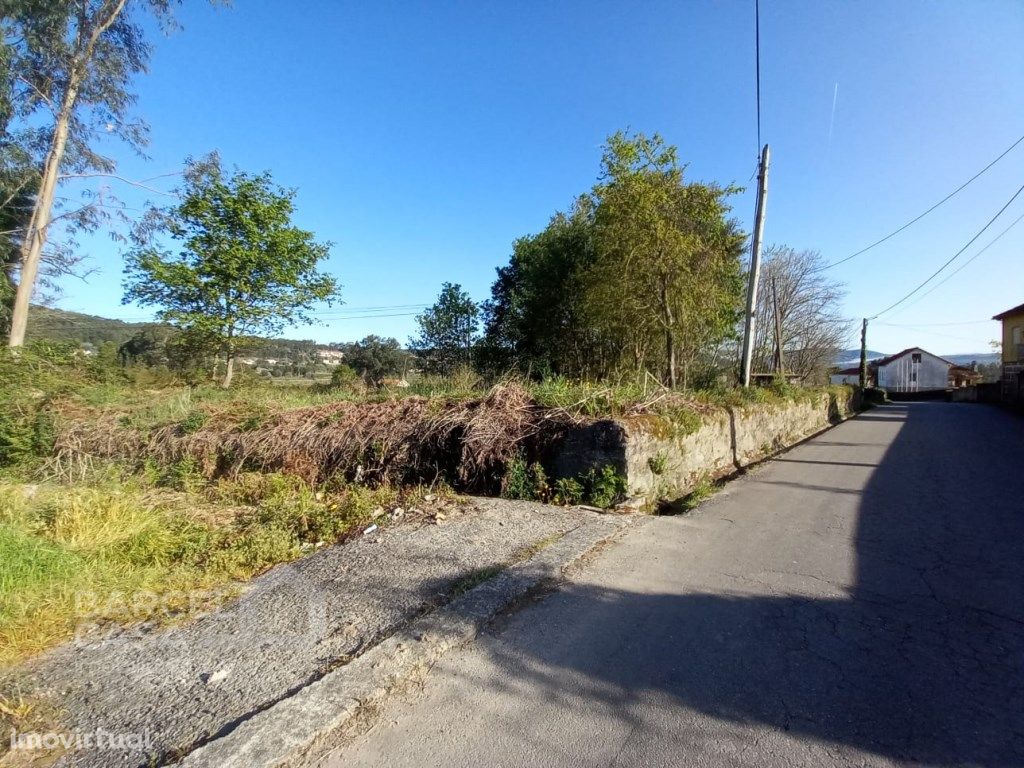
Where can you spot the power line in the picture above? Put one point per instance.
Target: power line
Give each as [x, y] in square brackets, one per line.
[921, 216]
[952, 274]
[346, 313]
[954, 257]
[932, 325]
[363, 317]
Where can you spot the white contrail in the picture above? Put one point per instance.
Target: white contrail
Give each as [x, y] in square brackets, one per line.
[832, 119]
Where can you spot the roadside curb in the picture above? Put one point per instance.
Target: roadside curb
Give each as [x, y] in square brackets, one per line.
[302, 725]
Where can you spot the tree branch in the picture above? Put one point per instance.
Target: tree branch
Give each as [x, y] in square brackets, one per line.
[140, 184]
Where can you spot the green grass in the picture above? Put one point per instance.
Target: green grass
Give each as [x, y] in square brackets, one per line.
[126, 550]
[704, 489]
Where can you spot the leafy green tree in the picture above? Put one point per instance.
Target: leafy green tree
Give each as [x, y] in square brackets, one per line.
[375, 359]
[668, 258]
[241, 268]
[68, 67]
[448, 331]
[145, 347]
[533, 319]
[644, 272]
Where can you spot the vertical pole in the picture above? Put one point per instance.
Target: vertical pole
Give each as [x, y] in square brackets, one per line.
[778, 329]
[755, 265]
[864, 354]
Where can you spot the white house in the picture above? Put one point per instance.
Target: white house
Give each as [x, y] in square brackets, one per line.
[912, 370]
[846, 376]
[330, 356]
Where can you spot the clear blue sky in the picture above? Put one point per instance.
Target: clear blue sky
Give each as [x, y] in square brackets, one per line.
[423, 138]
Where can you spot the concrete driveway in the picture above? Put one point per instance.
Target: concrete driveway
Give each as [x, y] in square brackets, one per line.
[857, 601]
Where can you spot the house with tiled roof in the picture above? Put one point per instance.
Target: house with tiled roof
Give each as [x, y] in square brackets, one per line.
[910, 371]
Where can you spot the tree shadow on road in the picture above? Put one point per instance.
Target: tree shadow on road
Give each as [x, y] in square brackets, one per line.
[922, 660]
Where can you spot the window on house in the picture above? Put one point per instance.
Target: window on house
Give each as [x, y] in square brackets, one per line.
[913, 377]
[915, 357]
[1018, 335]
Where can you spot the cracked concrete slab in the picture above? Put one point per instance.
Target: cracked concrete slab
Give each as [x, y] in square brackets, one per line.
[189, 685]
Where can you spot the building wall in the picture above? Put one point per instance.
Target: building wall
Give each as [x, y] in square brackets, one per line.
[1013, 341]
[904, 375]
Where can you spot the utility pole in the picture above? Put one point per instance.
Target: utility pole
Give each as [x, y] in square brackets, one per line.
[778, 329]
[755, 265]
[864, 354]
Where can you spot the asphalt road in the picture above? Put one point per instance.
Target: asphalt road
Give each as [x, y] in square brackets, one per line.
[857, 601]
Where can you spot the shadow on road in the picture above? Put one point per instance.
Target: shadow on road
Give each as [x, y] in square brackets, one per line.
[922, 660]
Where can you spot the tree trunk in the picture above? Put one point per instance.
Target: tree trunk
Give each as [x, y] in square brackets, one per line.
[229, 369]
[670, 348]
[670, 342]
[42, 213]
[35, 238]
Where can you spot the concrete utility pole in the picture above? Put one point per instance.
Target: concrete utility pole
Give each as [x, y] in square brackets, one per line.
[864, 354]
[755, 265]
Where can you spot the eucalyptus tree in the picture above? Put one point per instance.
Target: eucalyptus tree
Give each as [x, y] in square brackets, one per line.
[69, 67]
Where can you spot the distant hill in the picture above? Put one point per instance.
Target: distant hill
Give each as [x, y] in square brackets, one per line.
[981, 358]
[850, 356]
[61, 325]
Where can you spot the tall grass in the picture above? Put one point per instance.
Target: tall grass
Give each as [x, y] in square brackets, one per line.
[125, 550]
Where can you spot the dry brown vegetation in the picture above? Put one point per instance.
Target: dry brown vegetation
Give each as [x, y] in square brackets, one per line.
[412, 439]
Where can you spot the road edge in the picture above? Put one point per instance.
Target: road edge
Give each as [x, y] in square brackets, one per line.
[302, 725]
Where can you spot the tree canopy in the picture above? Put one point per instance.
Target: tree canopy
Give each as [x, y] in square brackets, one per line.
[448, 331]
[643, 274]
[812, 327]
[376, 358]
[241, 269]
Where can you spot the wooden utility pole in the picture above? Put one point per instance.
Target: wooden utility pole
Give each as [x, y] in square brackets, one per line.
[778, 329]
[864, 354]
[755, 266]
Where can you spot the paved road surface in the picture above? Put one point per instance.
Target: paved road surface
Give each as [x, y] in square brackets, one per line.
[858, 601]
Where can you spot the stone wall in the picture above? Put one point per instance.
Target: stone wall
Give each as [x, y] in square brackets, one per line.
[658, 463]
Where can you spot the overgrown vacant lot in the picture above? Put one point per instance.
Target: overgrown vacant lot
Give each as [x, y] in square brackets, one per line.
[127, 497]
[134, 548]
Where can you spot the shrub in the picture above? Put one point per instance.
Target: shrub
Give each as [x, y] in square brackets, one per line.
[343, 377]
[527, 482]
[568, 491]
[875, 396]
[605, 487]
[194, 421]
[184, 475]
[658, 463]
[27, 432]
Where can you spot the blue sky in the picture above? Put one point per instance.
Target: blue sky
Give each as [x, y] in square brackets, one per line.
[423, 138]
